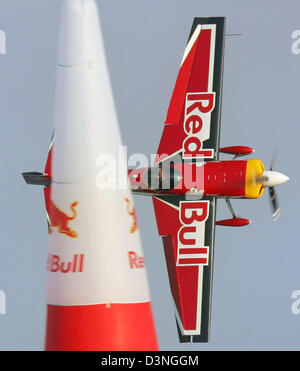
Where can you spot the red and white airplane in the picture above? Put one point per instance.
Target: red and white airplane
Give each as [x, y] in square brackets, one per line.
[187, 178]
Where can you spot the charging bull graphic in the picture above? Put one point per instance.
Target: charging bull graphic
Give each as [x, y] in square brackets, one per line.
[60, 220]
[131, 211]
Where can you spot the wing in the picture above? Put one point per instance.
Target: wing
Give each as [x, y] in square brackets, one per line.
[192, 124]
[189, 250]
[191, 130]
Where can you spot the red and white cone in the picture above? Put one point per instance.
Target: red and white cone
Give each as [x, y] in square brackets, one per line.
[97, 290]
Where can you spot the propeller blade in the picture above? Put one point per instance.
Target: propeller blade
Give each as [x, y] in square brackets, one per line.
[273, 159]
[274, 203]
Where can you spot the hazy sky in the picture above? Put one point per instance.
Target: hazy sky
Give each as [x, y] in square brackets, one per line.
[256, 268]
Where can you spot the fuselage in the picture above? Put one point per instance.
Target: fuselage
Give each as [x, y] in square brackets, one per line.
[238, 179]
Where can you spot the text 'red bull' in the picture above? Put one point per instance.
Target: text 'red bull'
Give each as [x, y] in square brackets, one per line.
[191, 236]
[198, 110]
[76, 265]
[135, 261]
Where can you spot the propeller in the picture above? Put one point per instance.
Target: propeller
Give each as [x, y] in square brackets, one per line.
[273, 196]
[274, 203]
[271, 179]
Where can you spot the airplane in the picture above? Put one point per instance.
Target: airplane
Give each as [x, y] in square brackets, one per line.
[187, 178]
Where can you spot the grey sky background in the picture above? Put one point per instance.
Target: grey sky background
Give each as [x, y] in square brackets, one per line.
[256, 268]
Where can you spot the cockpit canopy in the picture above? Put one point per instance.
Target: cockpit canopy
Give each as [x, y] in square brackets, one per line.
[162, 177]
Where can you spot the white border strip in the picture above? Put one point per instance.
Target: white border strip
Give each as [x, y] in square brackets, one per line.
[191, 43]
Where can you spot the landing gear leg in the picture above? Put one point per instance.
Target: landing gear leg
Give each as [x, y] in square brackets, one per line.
[230, 208]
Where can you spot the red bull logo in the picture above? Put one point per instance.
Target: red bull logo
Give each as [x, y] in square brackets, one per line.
[197, 117]
[60, 220]
[191, 236]
[131, 212]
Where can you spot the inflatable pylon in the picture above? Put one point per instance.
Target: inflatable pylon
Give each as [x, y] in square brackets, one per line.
[97, 290]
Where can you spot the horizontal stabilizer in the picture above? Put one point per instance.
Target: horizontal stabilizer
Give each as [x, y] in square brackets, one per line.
[37, 179]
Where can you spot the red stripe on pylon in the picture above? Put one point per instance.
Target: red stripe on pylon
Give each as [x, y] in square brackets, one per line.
[116, 327]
